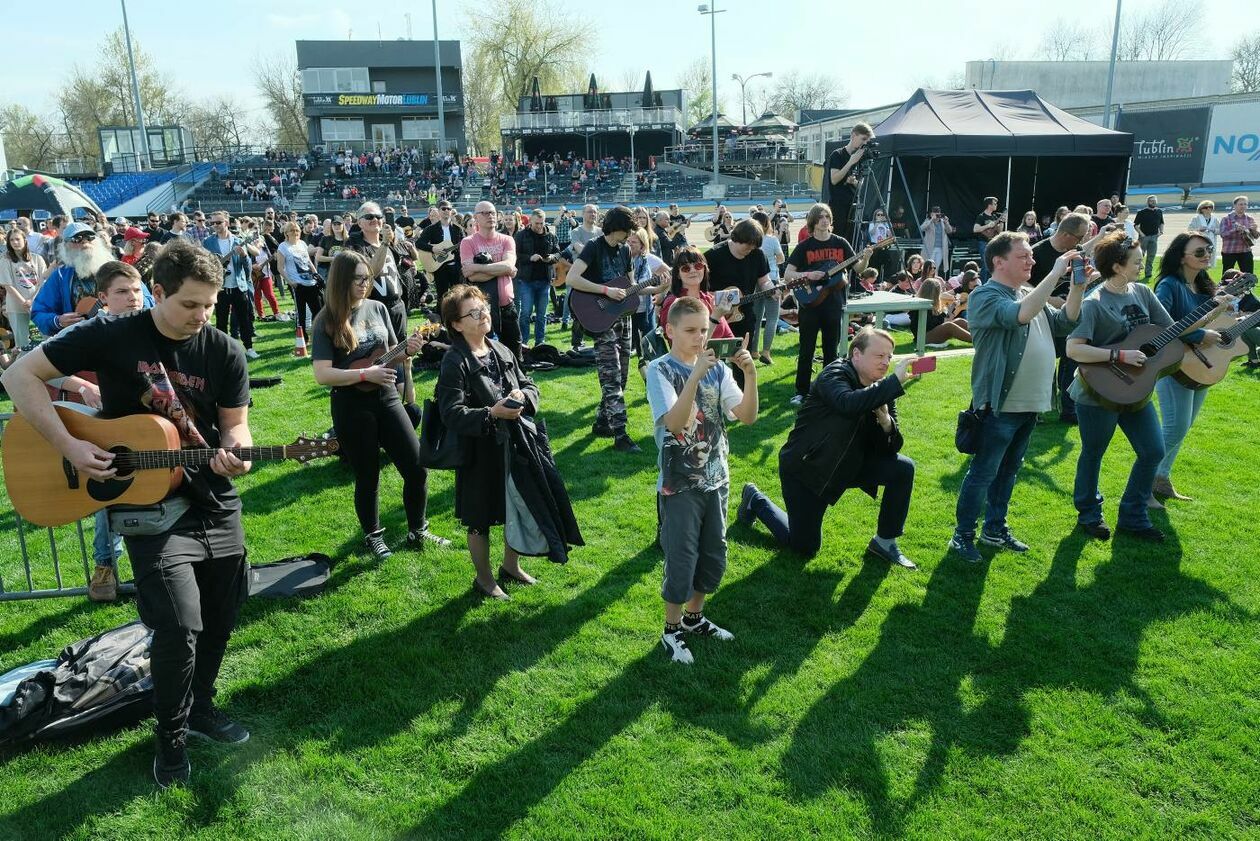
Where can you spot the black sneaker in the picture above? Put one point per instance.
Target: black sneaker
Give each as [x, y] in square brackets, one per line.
[215, 726]
[964, 546]
[1150, 533]
[600, 430]
[418, 537]
[1003, 540]
[375, 542]
[892, 554]
[704, 628]
[171, 765]
[1098, 530]
[624, 444]
[744, 513]
[676, 647]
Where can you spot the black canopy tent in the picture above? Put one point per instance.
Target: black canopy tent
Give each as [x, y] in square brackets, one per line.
[953, 148]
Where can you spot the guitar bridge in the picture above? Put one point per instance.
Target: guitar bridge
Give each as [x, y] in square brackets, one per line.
[1122, 374]
[72, 474]
[1201, 357]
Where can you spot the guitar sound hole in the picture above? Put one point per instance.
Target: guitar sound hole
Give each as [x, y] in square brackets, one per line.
[121, 474]
[1148, 350]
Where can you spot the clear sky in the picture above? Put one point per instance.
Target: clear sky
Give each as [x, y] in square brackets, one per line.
[880, 52]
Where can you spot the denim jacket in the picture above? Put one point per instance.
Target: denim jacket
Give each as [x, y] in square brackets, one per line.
[999, 340]
[240, 275]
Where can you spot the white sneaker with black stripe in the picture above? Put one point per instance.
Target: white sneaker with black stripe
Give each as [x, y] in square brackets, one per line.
[704, 628]
[676, 647]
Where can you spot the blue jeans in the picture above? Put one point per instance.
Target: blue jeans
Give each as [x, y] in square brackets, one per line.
[106, 546]
[1150, 246]
[1097, 426]
[534, 295]
[1178, 407]
[984, 267]
[991, 476]
[800, 527]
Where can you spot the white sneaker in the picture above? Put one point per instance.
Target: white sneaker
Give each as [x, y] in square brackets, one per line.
[705, 628]
[283, 317]
[797, 400]
[676, 648]
[250, 353]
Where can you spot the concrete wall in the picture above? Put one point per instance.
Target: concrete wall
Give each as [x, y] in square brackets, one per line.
[1072, 84]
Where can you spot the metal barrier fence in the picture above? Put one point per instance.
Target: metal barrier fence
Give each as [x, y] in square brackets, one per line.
[32, 571]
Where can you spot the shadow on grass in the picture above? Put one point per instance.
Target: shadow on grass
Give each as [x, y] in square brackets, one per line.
[501, 794]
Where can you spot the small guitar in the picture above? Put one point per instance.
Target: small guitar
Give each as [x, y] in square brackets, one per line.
[442, 253]
[388, 358]
[813, 293]
[47, 490]
[1204, 366]
[597, 313]
[1121, 385]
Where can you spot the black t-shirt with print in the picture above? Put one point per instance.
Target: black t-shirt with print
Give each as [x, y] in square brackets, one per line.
[987, 219]
[386, 287]
[141, 371]
[331, 246]
[812, 254]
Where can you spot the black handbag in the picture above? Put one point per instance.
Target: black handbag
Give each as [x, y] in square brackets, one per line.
[967, 434]
[441, 448]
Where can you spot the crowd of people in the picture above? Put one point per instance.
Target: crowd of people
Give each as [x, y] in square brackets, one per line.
[124, 311]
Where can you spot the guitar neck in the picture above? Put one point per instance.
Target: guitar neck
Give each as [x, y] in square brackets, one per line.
[196, 457]
[1241, 327]
[1181, 325]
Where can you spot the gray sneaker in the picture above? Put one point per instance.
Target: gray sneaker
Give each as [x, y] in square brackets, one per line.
[964, 546]
[893, 554]
[1003, 540]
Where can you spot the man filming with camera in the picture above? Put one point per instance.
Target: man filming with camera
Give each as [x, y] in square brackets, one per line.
[842, 176]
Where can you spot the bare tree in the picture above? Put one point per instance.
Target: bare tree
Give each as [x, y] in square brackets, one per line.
[630, 79]
[1159, 33]
[280, 85]
[1069, 40]
[515, 41]
[697, 84]
[795, 91]
[1246, 55]
[30, 140]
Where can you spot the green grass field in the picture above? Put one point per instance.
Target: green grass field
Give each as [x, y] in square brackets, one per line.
[1102, 690]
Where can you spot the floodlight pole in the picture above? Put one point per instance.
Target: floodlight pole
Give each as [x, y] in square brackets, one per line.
[135, 93]
[704, 9]
[437, 72]
[1111, 69]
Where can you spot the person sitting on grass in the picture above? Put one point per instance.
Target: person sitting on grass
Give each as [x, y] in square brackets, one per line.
[692, 395]
[940, 327]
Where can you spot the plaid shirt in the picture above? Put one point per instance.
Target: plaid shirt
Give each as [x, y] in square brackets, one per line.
[1233, 233]
[564, 225]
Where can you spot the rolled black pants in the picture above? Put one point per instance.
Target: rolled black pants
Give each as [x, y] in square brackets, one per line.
[234, 311]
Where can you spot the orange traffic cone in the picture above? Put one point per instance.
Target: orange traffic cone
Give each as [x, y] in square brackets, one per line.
[299, 342]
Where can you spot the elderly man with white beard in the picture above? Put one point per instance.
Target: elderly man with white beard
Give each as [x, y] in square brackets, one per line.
[80, 252]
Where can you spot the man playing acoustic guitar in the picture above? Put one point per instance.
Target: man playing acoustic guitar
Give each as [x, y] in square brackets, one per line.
[190, 572]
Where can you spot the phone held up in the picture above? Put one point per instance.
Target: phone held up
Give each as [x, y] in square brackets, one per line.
[923, 365]
[724, 348]
[1079, 275]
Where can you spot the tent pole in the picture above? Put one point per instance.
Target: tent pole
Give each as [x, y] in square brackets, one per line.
[1036, 169]
[1007, 204]
[927, 199]
[914, 212]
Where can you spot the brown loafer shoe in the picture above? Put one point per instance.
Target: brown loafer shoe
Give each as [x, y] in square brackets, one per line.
[1163, 488]
[104, 585]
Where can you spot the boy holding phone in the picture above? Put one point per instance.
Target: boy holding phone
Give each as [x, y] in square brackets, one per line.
[691, 396]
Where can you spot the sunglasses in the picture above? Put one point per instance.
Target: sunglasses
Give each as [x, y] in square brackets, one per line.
[477, 313]
[86, 236]
[218, 222]
[371, 217]
[694, 265]
[1204, 251]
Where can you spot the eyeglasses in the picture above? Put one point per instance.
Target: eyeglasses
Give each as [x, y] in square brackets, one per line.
[476, 313]
[371, 217]
[362, 279]
[1204, 251]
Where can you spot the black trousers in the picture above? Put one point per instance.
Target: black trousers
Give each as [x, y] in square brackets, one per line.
[1243, 260]
[307, 299]
[190, 583]
[443, 279]
[366, 423]
[234, 314]
[825, 319]
[506, 324]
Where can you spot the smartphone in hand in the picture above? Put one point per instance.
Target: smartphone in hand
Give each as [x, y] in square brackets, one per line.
[1079, 276]
[724, 348]
[512, 403]
[923, 365]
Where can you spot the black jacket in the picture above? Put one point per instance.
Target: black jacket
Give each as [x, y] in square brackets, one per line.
[836, 432]
[432, 235]
[528, 244]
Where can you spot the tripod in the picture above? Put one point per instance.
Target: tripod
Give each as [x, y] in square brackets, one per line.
[867, 183]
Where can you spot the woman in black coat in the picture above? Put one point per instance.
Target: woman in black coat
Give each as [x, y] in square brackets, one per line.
[480, 390]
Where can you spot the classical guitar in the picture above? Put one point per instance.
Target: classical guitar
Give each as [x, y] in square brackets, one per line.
[673, 229]
[388, 358]
[49, 491]
[1118, 384]
[597, 313]
[1204, 366]
[442, 253]
[813, 293]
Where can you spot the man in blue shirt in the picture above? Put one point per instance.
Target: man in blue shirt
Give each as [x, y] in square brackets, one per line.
[82, 253]
[236, 296]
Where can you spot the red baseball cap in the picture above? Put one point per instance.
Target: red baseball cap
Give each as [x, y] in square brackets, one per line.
[134, 233]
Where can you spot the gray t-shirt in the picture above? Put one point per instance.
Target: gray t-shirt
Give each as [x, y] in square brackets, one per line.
[1107, 317]
[579, 237]
[1031, 386]
[372, 329]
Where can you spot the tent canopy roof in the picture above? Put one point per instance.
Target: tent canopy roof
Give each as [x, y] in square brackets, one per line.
[993, 123]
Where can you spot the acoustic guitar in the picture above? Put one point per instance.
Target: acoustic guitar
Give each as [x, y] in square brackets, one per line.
[1204, 366]
[47, 490]
[672, 230]
[442, 253]
[597, 313]
[388, 358]
[1120, 385]
[562, 272]
[813, 293]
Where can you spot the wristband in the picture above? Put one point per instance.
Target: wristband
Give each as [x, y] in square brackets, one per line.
[605, 292]
[1115, 356]
[363, 375]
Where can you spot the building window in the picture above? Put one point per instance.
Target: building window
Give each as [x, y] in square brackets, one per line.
[414, 129]
[378, 87]
[335, 80]
[333, 130]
